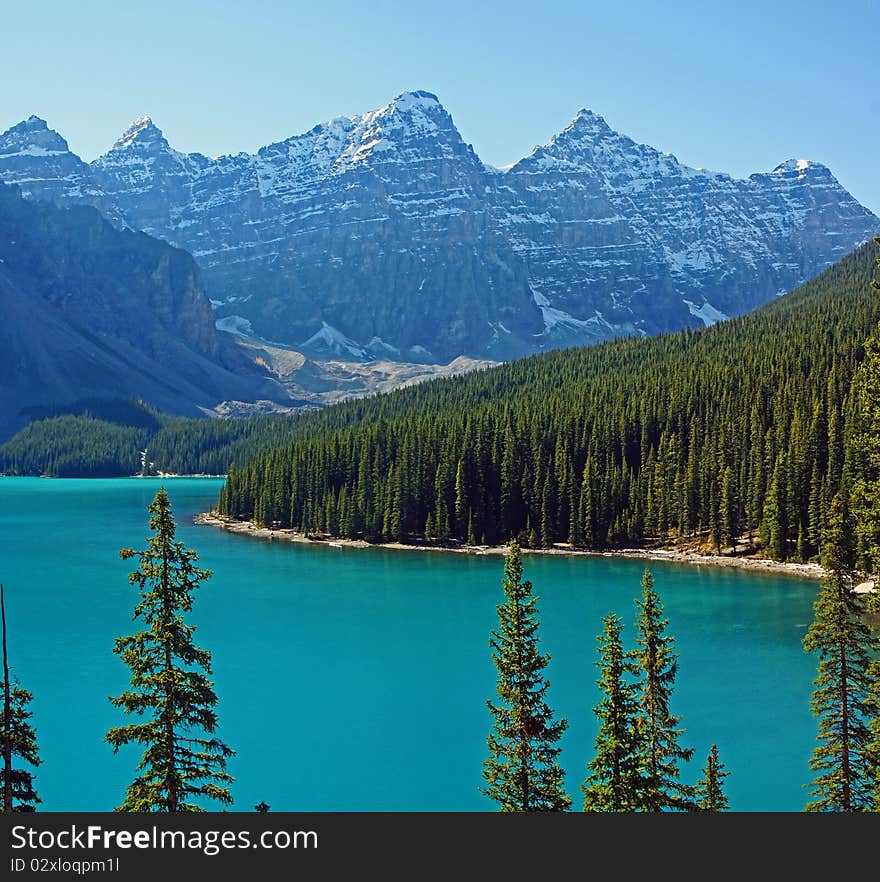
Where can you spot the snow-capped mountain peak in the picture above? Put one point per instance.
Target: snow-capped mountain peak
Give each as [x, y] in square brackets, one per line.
[417, 99]
[802, 169]
[142, 133]
[141, 161]
[589, 142]
[586, 120]
[388, 133]
[410, 116]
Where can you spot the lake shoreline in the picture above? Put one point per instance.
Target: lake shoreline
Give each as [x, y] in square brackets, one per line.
[752, 564]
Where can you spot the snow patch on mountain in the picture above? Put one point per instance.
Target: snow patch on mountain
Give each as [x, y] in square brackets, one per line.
[555, 317]
[235, 324]
[34, 150]
[706, 313]
[329, 339]
[799, 166]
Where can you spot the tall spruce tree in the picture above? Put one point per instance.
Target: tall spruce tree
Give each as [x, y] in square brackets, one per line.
[659, 732]
[709, 793]
[522, 771]
[182, 761]
[839, 634]
[18, 736]
[612, 783]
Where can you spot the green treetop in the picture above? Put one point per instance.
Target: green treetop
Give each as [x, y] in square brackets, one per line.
[709, 794]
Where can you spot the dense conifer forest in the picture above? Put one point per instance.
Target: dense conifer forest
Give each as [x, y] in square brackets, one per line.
[741, 429]
[75, 446]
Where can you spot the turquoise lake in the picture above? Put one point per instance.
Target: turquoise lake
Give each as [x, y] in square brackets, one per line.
[357, 679]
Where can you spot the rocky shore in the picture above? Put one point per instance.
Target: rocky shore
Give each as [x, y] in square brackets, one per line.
[740, 560]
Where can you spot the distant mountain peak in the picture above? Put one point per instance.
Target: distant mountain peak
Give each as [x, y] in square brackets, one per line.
[801, 167]
[143, 131]
[586, 118]
[34, 123]
[32, 136]
[411, 121]
[587, 126]
[584, 132]
[417, 98]
[422, 108]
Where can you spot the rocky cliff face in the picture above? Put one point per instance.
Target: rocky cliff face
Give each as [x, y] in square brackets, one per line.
[383, 235]
[87, 310]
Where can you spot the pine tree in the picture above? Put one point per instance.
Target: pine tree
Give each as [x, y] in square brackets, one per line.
[585, 515]
[522, 771]
[182, 761]
[709, 793]
[841, 699]
[612, 783]
[729, 508]
[548, 520]
[471, 535]
[18, 737]
[775, 523]
[659, 734]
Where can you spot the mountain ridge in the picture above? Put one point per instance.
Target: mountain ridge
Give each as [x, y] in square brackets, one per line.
[386, 229]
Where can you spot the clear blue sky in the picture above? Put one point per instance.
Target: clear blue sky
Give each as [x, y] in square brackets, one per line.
[734, 86]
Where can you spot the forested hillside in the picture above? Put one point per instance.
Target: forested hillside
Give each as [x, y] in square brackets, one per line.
[105, 439]
[74, 447]
[741, 428]
[91, 438]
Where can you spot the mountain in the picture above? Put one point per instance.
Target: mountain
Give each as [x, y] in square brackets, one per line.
[90, 311]
[655, 245]
[384, 236]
